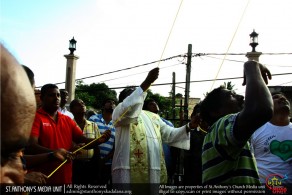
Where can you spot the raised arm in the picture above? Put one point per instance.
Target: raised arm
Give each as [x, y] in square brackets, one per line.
[151, 77]
[258, 107]
[131, 100]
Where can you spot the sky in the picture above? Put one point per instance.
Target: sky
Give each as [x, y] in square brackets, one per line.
[113, 35]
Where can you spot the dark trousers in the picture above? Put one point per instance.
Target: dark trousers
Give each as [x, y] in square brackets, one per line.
[86, 172]
[106, 174]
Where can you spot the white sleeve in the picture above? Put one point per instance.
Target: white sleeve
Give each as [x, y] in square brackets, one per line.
[176, 137]
[131, 107]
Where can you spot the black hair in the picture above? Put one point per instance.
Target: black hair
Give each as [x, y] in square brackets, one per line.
[29, 74]
[197, 109]
[107, 100]
[278, 93]
[45, 88]
[146, 102]
[62, 91]
[212, 103]
[73, 103]
[126, 92]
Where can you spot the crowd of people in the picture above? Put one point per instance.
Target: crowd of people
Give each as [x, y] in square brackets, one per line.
[229, 138]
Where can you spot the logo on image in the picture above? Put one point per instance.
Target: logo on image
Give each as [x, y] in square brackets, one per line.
[274, 183]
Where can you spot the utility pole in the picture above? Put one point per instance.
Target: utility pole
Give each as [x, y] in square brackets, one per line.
[179, 154]
[187, 88]
[173, 97]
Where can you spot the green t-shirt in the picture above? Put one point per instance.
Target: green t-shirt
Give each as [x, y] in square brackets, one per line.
[224, 159]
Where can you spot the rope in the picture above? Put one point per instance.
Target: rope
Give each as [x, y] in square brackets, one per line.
[202, 129]
[128, 107]
[85, 145]
[170, 32]
[57, 168]
[230, 44]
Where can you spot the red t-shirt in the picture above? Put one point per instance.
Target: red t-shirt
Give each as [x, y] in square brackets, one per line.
[54, 135]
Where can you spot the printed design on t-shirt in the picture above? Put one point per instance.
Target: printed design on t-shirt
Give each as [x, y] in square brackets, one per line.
[267, 143]
[46, 124]
[281, 149]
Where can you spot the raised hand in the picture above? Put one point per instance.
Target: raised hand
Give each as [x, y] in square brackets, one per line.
[151, 77]
[265, 72]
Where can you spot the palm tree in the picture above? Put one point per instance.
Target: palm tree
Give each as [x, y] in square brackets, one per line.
[229, 85]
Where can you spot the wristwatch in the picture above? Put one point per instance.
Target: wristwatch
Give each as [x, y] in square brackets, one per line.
[188, 126]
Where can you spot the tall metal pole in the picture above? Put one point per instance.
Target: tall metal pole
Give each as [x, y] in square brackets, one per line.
[187, 88]
[180, 154]
[173, 97]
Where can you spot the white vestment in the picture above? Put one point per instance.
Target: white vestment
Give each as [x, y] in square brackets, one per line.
[130, 109]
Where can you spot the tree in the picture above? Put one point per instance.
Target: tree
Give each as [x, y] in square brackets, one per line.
[94, 94]
[179, 95]
[229, 85]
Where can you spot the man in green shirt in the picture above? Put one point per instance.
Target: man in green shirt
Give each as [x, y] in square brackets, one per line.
[226, 155]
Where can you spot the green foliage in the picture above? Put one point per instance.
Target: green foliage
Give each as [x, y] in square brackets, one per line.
[88, 99]
[229, 85]
[94, 94]
[179, 95]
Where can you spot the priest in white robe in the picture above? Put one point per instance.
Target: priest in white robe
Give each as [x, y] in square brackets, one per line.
[138, 156]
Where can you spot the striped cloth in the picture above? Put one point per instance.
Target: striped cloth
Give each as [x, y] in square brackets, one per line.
[106, 147]
[224, 159]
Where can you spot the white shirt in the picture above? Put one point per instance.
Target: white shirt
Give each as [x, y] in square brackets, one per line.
[131, 108]
[272, 148]
[66, 112]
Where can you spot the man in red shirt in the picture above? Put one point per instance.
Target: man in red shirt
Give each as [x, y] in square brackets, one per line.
[53, 130]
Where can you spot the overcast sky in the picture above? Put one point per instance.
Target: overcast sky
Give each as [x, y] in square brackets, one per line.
[116, 34]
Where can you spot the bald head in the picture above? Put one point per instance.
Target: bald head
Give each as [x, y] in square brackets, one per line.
[17, 106]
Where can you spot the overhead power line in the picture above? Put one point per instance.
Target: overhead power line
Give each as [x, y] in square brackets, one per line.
[129, 68]
[199, 81]
[169, 58]
[138, 73]
[241, 61]
[233, 54]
